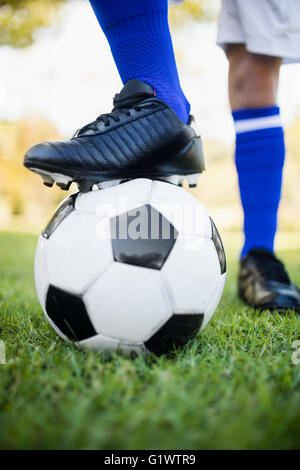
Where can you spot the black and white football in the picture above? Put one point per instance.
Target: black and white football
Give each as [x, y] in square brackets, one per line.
[138, 267]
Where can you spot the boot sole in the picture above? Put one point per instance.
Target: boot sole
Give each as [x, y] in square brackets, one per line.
[85, 185]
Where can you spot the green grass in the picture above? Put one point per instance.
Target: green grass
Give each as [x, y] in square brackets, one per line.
[235, 387]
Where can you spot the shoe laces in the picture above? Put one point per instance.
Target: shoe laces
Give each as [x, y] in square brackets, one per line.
[121, 106]
[270, 268]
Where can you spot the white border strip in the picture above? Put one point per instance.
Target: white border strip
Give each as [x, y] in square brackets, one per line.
[246, 125]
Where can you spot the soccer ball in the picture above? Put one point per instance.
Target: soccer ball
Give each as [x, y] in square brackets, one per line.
[138, 267]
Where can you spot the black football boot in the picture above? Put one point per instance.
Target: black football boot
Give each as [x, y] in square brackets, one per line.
[264, 283]
[141, 137]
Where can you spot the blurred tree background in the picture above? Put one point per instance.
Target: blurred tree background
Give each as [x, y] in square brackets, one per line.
[24, 202]
[19, 19]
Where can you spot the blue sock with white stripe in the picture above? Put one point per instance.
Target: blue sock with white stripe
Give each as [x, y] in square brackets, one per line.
[259, 159]
[140, 40]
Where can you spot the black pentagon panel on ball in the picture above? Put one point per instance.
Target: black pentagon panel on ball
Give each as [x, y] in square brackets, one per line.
[61, 213]
[68, 313]
[142, 237]
[175, 333]
[219, 246]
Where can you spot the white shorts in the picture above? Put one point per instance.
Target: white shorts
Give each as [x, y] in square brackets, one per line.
[270, 27]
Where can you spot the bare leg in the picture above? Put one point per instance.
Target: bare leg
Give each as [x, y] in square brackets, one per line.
[253, 78]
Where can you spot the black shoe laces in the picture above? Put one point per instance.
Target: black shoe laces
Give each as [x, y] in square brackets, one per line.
[121, 106]
[270, 268]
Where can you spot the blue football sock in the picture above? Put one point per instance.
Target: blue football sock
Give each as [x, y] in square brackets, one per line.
[139, 36]
[259, 161]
